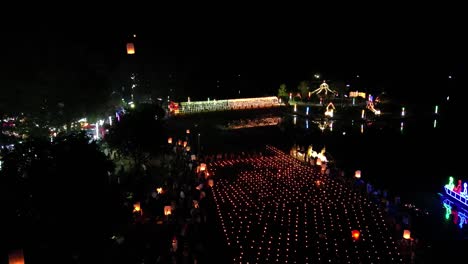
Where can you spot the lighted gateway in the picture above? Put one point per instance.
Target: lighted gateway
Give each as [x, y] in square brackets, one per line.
[456, 191]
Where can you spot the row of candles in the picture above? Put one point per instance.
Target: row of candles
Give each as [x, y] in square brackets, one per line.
[280, 210]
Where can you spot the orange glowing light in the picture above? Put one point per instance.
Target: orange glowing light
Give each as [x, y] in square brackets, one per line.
[210, 182]
[187, 131]
[137, 207]
[169, 140]
[16, 257]
[184, 144]
[167, 210]
[159, 190]
[357, 174]
[202, 166]
[355, 234]
[130, 48]
[406, 234]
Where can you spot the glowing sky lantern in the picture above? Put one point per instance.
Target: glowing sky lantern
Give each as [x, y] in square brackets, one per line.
[16, 257]
[130, 48]
[187, 131]
[355, 234]
[159, 190]
[210, 182]
[203, 167]
[169, 140]
[406, 234]
[137, 208]
[184, 144]
[357, 174]
[167, 210]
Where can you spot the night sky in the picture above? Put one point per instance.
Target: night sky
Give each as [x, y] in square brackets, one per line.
[396, 51]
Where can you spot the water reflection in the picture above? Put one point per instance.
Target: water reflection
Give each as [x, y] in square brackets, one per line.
[459, 215]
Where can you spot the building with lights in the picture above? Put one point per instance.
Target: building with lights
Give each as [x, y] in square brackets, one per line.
[228, 104]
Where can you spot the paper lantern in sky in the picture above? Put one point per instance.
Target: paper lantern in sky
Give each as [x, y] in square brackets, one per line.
[406, 234]
[130, 48]
[355, 234]
[167, 210]
[357, 174]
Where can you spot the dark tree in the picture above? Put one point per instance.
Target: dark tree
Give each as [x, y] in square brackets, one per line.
[56, 198]
[139, 134]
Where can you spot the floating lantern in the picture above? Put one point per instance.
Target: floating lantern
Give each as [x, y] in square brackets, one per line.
[406, 234]
[130, 48]
[137, 208]
[167, 210]
[203, 167]
[195, 204]
[16, 257]
[187, 148]
[319, 162]
[179, 142]
[355, 234]
[357, 174]
[169, 140]
[210, 182]
[159, 190]
[184, 144]
[187, 131]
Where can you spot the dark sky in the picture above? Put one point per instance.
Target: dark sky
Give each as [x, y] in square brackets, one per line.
[396, 49]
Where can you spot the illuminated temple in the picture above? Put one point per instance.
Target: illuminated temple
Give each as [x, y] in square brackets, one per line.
[228, 104]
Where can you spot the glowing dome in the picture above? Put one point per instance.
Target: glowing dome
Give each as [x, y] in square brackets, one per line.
[324, 85]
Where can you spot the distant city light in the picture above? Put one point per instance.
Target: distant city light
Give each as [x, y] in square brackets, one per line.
[294, 120]
[295, 107]
[448, 98]
[450, 77]
[436, 110]
[403, 111]
[307, 111]
[362, 128]
[307, 125]
[435, 123]
[402, 127]
[363, 112]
